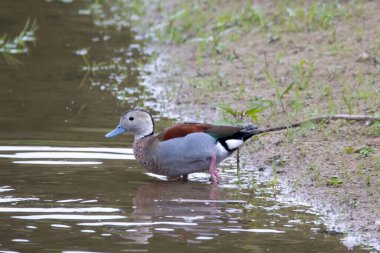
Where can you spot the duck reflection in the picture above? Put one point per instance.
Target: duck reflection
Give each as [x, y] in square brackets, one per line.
[188, 211]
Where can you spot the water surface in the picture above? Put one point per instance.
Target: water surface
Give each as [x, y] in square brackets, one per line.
[63, 187]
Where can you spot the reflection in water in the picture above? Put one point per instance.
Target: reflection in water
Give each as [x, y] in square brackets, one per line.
[57, 162]
[201, 211]
[254, 230]
[8, 199]
[36, 152]
[68, 149]
[57, 210]
[137, 224]
[78, 155]
[69, 217]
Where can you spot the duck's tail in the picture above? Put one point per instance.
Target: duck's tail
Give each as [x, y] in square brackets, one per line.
[247, 132]
[234, 141]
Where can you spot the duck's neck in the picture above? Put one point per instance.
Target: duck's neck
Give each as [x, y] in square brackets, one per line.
[139, 136]
[144, 131]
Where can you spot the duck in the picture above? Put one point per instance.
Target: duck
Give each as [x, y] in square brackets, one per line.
[182, 149]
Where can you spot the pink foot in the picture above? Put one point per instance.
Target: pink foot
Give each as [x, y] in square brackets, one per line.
[215, 178]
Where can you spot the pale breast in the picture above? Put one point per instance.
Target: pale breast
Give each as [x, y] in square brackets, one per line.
[142, 149]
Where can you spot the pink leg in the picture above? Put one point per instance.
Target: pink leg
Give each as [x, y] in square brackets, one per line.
[213, 170]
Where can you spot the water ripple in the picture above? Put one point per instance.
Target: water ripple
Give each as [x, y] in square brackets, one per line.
[71, 149]
[42, 162]
[47, 153]
[76, 155]
[12, 199]
[132, 224]
[58, 210]
[254, 230]
[69, 217]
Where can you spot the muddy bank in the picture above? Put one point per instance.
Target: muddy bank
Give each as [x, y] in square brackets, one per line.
[333, 68]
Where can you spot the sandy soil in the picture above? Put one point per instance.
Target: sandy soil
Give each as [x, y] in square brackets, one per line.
[346, 62]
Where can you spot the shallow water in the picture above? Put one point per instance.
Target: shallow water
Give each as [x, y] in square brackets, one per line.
[63, 187]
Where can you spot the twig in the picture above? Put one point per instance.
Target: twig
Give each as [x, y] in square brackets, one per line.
[318, 120]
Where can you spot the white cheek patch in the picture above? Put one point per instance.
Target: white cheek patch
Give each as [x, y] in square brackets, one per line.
[221, 149]
[233, 144]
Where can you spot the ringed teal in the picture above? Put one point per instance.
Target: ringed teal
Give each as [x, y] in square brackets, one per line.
[182, 149]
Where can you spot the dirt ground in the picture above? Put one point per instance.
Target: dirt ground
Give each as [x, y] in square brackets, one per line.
[336, 166]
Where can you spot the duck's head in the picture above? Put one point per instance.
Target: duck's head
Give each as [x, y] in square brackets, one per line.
[137, 121]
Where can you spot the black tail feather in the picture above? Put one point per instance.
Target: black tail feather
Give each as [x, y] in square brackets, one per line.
[243, 134]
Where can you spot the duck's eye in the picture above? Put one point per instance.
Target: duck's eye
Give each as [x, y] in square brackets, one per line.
[131, 118]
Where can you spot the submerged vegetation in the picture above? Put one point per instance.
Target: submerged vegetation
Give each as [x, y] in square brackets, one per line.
[19, 44]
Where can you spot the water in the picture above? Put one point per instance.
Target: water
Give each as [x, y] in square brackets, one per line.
[64, 188]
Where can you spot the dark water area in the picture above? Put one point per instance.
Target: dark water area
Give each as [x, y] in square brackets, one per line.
[64, 188]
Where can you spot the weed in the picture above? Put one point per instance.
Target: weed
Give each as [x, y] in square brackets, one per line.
[368, 179]
[326, 90]
[364, 150]
[334, 181]
[376, 163]
[253, 15]
[301, 74]
[307, 127]
[347, 98]
[279, 93]
[303, 151]
[91, 66]
[354, 203]
[239, 115]
[332, 107]
[310, 17]
[349, 150]
[314, 169]
[290, 134]
[374, 129]
[18, 45]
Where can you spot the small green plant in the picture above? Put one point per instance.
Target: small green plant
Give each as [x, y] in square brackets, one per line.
[290, 134]
[354, 203]
[334, 181]
[239, 115]
[368, 179]
[374, 129]
[364, 150]
[326, 91]
[18, 45]
[376, 163]
[279, 93]
[315, 172]
[252, 15]
[89, 66]
[309, 17]
[348, 102]
[302, 73]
